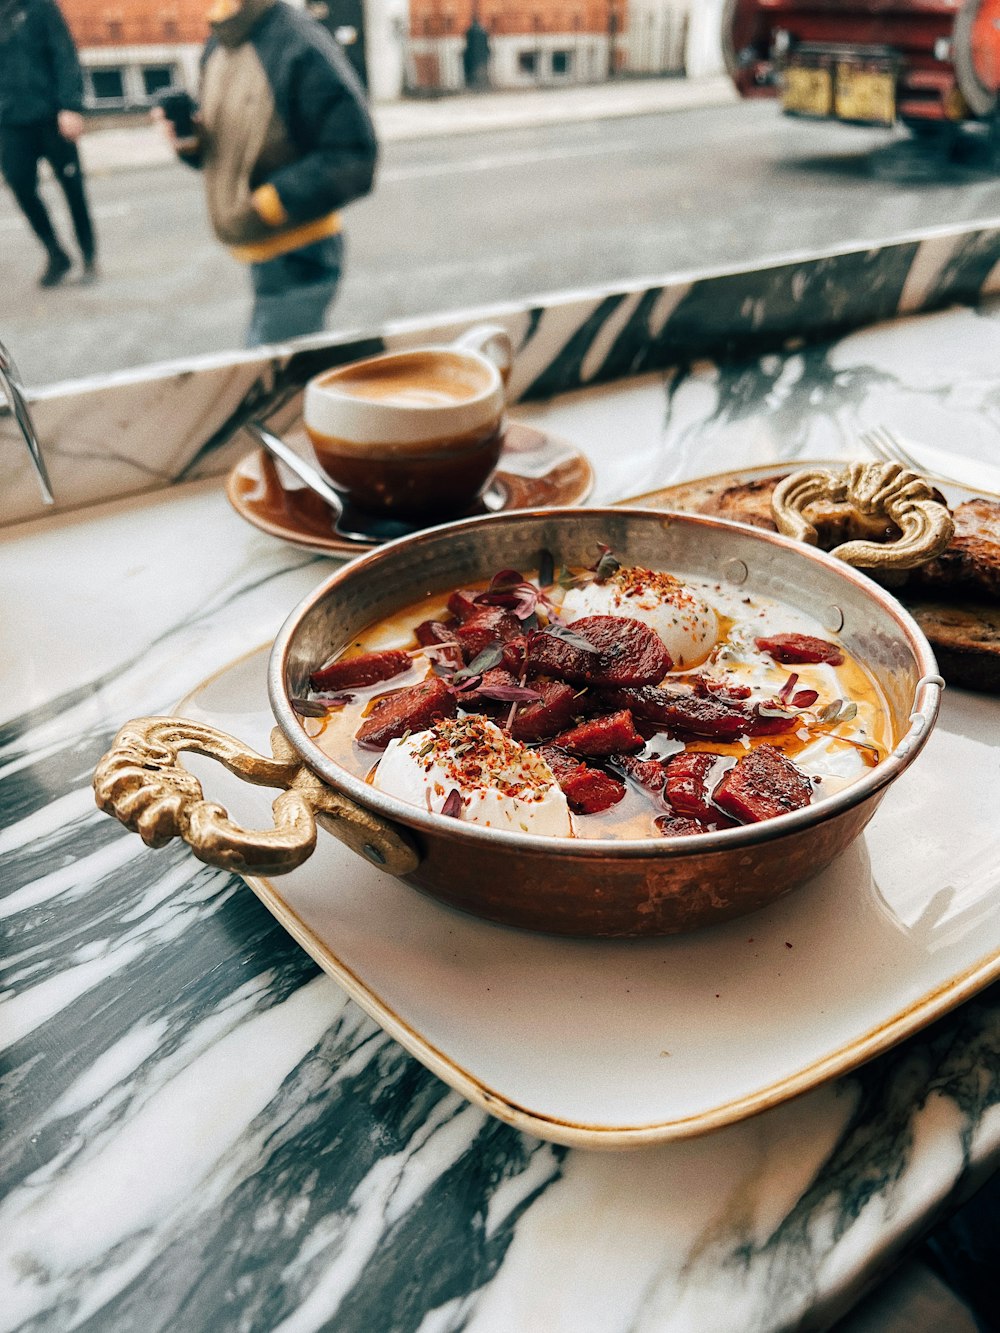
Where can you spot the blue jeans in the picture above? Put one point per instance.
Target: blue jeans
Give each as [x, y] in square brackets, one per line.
[293, 291]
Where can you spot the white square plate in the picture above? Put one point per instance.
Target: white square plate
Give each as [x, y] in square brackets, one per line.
[611, 1044]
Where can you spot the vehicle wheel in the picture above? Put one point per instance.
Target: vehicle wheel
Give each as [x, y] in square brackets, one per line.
[927, 130]
[993, 140]
[937, 139]
[982, 99]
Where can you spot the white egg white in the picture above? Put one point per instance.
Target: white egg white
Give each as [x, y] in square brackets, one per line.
[687, 625]
[500, 783]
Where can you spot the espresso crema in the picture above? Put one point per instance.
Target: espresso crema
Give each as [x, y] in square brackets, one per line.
[418, 380]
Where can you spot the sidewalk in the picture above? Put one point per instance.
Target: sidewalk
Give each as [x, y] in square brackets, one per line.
[143, 145]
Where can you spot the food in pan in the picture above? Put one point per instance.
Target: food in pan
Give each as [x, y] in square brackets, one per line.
[609, 702]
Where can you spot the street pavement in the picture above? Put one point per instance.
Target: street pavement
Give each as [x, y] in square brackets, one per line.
[484, 201]
[143, 144]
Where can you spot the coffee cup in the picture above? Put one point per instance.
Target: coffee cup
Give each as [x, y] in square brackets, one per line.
[415, 434]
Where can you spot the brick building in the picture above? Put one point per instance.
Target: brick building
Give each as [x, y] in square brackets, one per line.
[132, 49]
[545, 42]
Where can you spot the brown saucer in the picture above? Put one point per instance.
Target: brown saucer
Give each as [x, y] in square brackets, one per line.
[536, 471]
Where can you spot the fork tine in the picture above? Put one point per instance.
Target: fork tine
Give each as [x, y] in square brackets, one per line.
[887, 446]
[872, 440]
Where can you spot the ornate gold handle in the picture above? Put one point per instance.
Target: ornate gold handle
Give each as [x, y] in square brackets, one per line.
[141, 782]
[874, 491]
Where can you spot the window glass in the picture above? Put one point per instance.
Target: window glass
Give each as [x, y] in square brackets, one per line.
[526, 150]
[157, 77]
[107, 85]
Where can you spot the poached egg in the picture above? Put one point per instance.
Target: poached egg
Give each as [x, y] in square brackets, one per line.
[499, 782]
[687, 625]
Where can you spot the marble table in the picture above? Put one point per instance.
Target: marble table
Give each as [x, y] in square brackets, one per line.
[202, 1132]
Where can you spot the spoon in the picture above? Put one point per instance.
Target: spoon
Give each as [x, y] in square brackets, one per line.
[375, 529]
[10, 382]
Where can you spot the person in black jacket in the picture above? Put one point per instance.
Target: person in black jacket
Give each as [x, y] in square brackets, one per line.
[285, 140]
[41, 104]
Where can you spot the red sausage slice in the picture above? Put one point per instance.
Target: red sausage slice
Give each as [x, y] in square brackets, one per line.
[800, 648]
[365, 669]
[412, 709]
[762, 785]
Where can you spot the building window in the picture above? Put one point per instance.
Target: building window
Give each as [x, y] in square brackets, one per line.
[107, 85]
[157, 77]
[527, 62]
[562, 62]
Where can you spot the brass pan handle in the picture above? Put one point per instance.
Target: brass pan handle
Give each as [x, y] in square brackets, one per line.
[141, 782]
[873, 490]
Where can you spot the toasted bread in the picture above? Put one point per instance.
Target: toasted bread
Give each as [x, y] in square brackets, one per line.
[750, 502]
[965, 636]
[746, 502]
[972, 559]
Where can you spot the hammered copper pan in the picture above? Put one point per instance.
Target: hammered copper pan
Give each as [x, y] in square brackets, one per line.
[653, 886]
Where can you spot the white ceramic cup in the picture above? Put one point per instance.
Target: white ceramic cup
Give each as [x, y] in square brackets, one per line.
[414, 433]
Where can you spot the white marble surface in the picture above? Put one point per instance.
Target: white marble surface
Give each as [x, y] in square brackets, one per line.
[203, 1132]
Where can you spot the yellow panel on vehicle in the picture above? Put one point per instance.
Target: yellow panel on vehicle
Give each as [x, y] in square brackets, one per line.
[865, 95]
[808, 92]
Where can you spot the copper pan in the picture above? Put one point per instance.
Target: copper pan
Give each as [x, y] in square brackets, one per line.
[653, 886]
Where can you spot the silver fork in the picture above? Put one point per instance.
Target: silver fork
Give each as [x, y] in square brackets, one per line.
[881, 441]
[966, 472]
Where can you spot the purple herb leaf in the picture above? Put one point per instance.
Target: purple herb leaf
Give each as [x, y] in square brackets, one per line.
[511, 590]
[785, 693]
[491, 656]
[804, 698]
[468, 683]
[452, 804]
[308, 707]
[607, 566]
[567, 635]
[520, 694]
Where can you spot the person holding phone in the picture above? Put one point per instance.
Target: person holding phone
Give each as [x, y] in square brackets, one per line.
[41, 106]
[283, 137]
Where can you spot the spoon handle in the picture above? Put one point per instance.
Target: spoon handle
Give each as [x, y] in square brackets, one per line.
[307, 474]
[10, 382]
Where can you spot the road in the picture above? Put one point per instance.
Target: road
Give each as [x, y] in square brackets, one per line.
[484, 218]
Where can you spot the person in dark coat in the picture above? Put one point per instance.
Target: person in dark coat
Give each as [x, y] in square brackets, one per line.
[476, 55]
[41, 106]
[284, 140]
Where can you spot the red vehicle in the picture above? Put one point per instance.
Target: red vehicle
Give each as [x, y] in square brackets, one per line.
[926, 63]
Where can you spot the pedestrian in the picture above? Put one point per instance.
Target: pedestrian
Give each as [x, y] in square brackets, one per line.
[41, 116]
[284, 139]
[476, 55]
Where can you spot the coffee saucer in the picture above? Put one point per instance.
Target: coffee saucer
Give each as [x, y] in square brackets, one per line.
[536, 471]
